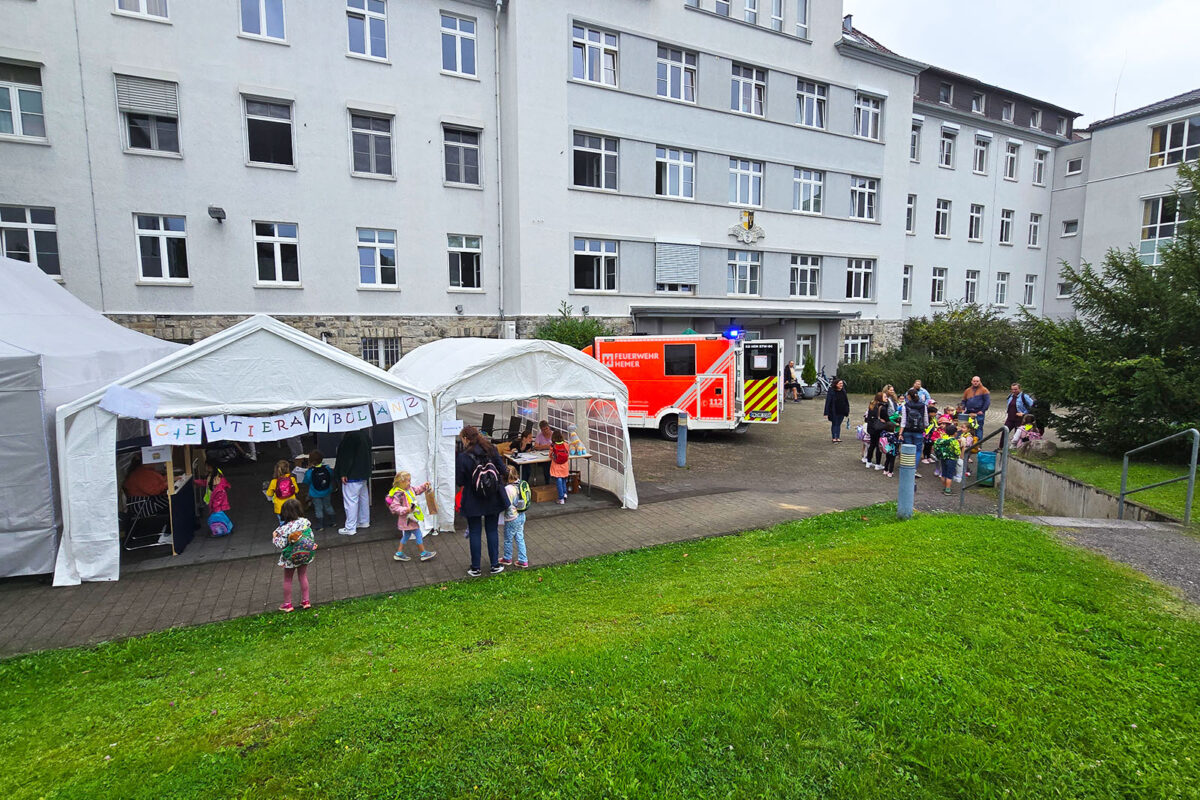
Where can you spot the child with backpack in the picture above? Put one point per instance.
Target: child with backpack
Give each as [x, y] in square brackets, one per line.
[560, 467]
[319, 480]
[295, 541]
[402, 501]
[282, 487]
[517, 492]
[216, 497]
[949, 451]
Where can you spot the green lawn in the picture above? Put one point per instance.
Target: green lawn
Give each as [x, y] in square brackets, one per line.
[1104, 472]
[846, 656]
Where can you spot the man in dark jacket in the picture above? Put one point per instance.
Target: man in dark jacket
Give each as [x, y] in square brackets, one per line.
[353, 467]
[482, 509]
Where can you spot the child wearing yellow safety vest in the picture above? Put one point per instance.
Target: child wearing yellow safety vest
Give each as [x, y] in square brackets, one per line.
[402, 500]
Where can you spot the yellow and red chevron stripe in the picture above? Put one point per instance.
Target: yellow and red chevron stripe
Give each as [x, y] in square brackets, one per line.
[761, 400]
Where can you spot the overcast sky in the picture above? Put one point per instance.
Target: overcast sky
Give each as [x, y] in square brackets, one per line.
[1067, 52]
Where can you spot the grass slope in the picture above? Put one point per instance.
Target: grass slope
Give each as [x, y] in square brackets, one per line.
[843, 656]
[1104, 472]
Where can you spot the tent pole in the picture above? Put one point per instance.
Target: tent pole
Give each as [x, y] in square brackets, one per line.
[171, 499]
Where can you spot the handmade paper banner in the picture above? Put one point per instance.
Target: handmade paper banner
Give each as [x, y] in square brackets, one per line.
[175, 431]
[337, 420]
[260, 429]
[129, 403]
[395, 409]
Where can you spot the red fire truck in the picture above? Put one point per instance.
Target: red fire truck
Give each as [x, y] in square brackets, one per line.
[721, 383]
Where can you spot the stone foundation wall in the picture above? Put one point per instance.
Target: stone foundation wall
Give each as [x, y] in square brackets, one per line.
[885, 334]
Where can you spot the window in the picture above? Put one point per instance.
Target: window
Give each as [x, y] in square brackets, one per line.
[777, 15]
[1075, 166]
[979, 103]
[806, 345]
[807, 187]
[975, 223]
[277, 250]
[971, 293]
[162, 247]
[910, 215]
[863, 192]
[1060, 127]
[1035, 118]
[859, 272]
[946, 150]
[1039, 167]
[679, 359]
[367, 22]
[263, 18]
[458, 45]
[867, 111]
[744, 272]
[150, 111]
[382, 351]
[937, 288]
[806, 276]
[1160, 217]
[593, 55]
[676, 74]
[1001, 289]
[674, 174]
[906, 284]
[376, 257]
[979, 160]
[595, 265]
[144, 8]
[810, 103]
[751, 12]
[1035, 229]
[676, 267]
[1006, 111]
[856, 348]
[1070, 227]
[21, 112]
[747, 89]
[1030, 290]
[745, 182]
[1012, 153]
[941, 219]
[595, 161]
[269, 132]
[371, 142]
[465, 255]
[722, 7]
[946, 93]
[802, 18]
[1006, 225]
[1065, 289]
[1175, 142]
[461, 156]
[30, 235]
[914, 143]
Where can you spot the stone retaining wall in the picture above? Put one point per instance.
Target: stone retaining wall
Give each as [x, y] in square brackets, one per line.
[1062, 496]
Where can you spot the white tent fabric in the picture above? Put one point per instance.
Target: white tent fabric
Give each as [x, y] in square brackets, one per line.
[53, 349]
[457, 372]
[259, 366]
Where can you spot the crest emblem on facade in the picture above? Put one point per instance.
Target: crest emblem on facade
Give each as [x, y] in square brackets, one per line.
[746, 231]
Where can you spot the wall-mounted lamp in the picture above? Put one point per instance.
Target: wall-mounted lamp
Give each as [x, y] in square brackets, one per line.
[217, 213]
[586, 310]
[459, 308]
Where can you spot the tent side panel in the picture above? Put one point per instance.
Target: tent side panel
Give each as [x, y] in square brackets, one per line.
[28, 529]
[90, 549]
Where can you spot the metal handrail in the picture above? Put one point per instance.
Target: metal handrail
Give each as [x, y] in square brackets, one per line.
[998, 477]
[1190, 477]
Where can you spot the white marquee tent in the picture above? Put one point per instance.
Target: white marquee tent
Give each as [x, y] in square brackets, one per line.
[460, 372]
[259, 366]
[53, 349]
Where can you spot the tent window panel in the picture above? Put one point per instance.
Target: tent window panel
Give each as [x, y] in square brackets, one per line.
[606, 439]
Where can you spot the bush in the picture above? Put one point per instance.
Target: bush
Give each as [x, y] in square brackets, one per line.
[809, 373]
[577, 332]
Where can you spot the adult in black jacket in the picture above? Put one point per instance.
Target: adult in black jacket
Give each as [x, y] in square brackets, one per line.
[837, 408]
[353, 469]
[482, 511]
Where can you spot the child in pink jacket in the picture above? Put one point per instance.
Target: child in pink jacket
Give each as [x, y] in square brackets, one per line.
[402, 500]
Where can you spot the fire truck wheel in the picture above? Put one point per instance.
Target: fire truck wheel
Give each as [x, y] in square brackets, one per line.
[669, 428]
[745, 426]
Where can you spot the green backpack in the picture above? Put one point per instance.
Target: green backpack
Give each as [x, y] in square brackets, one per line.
[523, 494]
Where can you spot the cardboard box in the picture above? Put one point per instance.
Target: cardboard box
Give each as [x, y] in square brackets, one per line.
[546, 493]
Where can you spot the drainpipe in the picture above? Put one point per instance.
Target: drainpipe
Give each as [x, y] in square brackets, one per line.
[499, 166]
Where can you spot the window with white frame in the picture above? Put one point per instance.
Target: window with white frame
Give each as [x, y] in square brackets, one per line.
[595, 265]
[777, 15]
[382, 351]
[802, 18]
[910, 215]
[750, 13]
[376, 257]
[744, 270]
[1175, 142]
[860, 275]
[1007, 111]
[937, 287]
[946, 93]
[269, 132]
[747, 89]
[979, 161]
[366, 21]
[676, 74]
[1001, 296]
[979, 103]
[971, 290]
[1160, 219]
[1035, 118]
[856, 348]
[867, 110]
[1060, 127]
[806, 345]
[1006, 225]
[21, 112]
[1012, 154]
[461, 155]
[277, 252]
[156, 9]
[465, 254]
[863, 194]
[906, 284]
[975, 223]
[1075, 166]
[30, 234]
[162, 248]
[595, 160]
[1035, 230]
[941, 219]
[458, 44]
[1030, 296]
[371, 144]
[1039, 167]
[676, 267]
[1070, 227]
[150, 113]
[946, 148]
[1065, 289]
[914, 143]
[810, 103]
[722, 7]
[263, 18]
[806, 276]
[807, 187]
[745, 182]
[674, 172]
[593, 55]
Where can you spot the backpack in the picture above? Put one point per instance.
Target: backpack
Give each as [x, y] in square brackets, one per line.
[285, 487]
[486, 479]
[523, 494]
[219, 524]
[913, 412]
[299, 550]
[321, 478]
[559, 453]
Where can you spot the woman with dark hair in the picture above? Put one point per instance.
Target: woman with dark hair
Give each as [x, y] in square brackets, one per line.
[479, 471]
[837, 408]
[877, 425]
